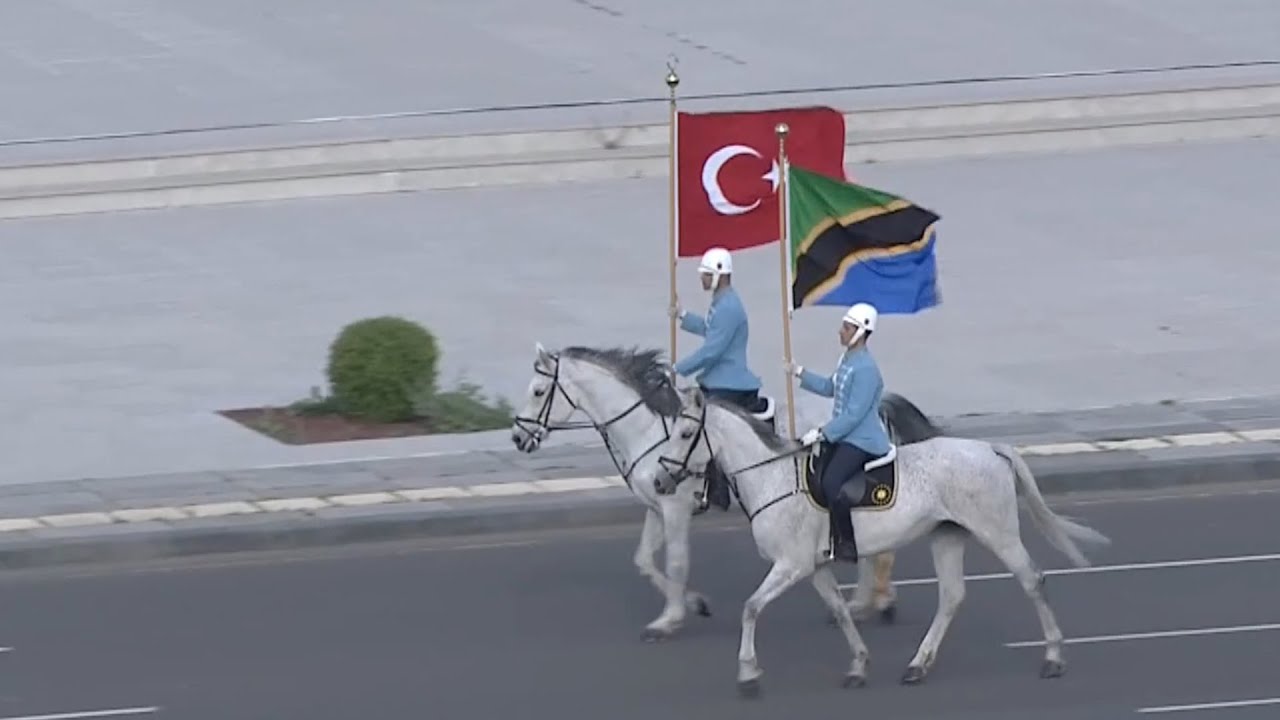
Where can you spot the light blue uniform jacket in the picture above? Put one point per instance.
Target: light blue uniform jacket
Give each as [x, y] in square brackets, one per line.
[857, 388]
[721, 362]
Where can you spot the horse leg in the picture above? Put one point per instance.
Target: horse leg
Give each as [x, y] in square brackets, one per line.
[947, 545]
[675, 519]
[781, 577]
[650, 536]
[650, 539]
[860, 604]
[824, 581]
[885, 594]
[1014, 555]
[677, 516]
[875, 590]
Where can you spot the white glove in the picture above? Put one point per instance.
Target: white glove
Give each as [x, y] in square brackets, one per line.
[812, 437]
[793, 368]
[675, 312]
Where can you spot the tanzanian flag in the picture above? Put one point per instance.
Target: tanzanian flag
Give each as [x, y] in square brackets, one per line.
[851, 243]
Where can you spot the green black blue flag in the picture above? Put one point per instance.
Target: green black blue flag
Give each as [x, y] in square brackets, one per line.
[849, 243]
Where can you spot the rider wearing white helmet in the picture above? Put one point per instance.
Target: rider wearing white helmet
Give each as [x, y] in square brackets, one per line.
[854, 436]
[721, 362]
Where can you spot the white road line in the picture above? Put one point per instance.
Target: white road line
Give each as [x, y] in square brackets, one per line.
[88, 714]
[1152, 635]
[5, 649]
[1125, 567]
[1210, 705]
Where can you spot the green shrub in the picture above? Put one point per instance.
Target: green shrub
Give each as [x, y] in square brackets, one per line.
[315, 404]
[462, 410]
[377, 366]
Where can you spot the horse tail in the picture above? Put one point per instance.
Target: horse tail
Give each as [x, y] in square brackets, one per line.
[1060, 531]
[906, 421]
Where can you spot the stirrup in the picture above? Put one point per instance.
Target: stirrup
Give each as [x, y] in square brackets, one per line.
[701, 502]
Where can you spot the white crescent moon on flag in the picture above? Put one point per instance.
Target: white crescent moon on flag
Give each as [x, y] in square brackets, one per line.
[711, 179]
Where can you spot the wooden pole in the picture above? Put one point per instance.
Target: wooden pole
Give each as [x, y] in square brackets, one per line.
[672, 81]
[784, 266]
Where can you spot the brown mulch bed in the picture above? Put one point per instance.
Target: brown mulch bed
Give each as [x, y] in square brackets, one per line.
[292, 428]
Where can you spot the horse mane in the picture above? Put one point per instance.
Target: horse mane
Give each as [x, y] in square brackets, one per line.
[771, 439]
[911, 424]
[641, 370]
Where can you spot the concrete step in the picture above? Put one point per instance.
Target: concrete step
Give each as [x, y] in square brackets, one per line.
[873, 146]
[433, 163]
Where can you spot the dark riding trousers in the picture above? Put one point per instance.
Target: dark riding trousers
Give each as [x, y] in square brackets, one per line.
[745, 399]
[843, 463]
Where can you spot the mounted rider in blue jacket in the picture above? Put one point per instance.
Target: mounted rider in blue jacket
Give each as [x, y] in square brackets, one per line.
[721, 362]
[855, 435]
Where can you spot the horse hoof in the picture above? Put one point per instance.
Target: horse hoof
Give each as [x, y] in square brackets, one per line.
[1052, 669]
[854, 681]
[913, 676]
[889, 615]
[653, 635]
[702, 607]
[749, 688]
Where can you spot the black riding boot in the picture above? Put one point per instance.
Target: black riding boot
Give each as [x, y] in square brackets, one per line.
[844, 545]
[717, 487]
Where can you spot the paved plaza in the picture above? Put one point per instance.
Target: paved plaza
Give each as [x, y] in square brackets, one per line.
[1069, 282]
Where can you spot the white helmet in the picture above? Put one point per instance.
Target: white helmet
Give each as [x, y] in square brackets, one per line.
[716, 262]
[863, 315]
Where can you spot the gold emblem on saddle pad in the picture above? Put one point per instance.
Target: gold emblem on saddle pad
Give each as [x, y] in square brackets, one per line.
[881, 494]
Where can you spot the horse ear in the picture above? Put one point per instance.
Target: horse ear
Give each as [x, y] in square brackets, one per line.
[543, 355]
[698, 398]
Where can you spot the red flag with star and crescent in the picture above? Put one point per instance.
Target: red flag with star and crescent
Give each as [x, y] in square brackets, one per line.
[727, 171]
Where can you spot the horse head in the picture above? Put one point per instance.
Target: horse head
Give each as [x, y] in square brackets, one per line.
[628, 395]
[686, 448]
[550, 400]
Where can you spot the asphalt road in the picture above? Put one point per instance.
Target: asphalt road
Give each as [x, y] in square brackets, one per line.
[549, 626]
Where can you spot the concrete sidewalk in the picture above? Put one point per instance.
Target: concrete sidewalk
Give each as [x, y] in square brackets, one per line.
[1129, 447]
[1070, 282]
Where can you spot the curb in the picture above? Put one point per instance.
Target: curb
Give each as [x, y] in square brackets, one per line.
[1055, 475]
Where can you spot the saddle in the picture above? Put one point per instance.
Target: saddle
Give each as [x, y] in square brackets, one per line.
[764, 409]
[881, 487]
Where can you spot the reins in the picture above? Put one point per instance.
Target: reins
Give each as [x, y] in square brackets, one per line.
[731, 477]
[542, 420]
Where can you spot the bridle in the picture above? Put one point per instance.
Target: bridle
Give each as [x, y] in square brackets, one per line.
[541, 424]
[679, 469]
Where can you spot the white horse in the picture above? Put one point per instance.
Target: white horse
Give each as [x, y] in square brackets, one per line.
[948, 488]
[628, 396]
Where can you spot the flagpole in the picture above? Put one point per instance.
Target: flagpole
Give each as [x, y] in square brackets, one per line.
[672, 81]
[784, 252]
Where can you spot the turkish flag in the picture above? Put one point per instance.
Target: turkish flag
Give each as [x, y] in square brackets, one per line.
[727, 171]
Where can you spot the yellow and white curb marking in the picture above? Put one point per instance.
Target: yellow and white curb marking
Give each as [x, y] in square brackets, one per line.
[308, 504]
[533, 487]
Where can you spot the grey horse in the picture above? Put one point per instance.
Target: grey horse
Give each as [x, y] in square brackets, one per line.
[628, 397]
[948, 489]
